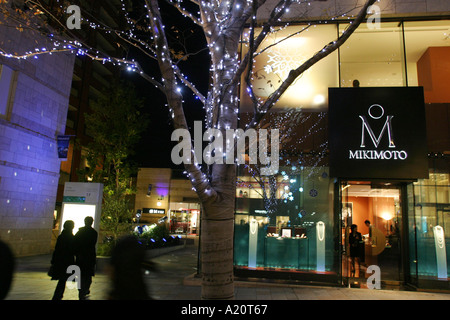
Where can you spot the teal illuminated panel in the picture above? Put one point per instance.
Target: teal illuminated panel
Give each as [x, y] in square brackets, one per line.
[74, 199]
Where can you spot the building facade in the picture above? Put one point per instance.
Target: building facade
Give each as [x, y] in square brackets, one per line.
[34, 102]
[303, 231]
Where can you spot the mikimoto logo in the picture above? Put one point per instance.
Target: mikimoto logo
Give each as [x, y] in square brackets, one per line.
[376, 112]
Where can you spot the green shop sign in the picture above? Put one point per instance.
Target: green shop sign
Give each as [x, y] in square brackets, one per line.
[74, 199]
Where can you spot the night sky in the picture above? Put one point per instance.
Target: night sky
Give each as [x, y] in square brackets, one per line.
[155, 146]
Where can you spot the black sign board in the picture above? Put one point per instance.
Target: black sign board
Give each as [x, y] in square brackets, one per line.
[377, 133]
[153, 210]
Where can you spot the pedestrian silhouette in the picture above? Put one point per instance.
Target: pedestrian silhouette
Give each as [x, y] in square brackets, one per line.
[62, 257]
[126, 270]
[85, 253]
[6, 269]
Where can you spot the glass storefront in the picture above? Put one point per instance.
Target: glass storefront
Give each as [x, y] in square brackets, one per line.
[296, 225]
[289, 229]
[300, 232]
[431, 216]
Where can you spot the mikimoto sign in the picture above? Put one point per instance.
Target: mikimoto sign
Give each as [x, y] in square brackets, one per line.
[377, 133]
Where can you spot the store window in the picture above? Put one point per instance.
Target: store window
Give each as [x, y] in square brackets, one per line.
[419, 37]
[291, 228]
[285, 50]
[432, 218]
[373, 56]
[427, 45]
[184, 218]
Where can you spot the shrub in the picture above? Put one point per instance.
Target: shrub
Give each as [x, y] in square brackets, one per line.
[156, 236]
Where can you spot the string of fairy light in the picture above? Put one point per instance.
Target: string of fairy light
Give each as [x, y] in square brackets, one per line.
[222, 100]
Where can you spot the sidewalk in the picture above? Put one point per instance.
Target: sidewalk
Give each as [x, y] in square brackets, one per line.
[174, 281]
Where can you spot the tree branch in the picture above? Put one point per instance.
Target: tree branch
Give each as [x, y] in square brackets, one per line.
[200, 183]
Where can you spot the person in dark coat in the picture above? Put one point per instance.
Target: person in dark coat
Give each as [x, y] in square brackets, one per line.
[62, 257]
[85, 253]
[355, 240]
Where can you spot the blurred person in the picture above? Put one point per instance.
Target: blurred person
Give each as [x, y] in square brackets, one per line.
[85, 253]
[126, 270]
[7, 265]
[62, 257]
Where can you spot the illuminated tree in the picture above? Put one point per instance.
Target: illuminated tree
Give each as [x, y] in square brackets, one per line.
[222, 24]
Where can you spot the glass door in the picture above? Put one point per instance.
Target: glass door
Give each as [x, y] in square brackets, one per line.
[371, 224]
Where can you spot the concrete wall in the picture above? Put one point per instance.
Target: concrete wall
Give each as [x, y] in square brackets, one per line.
[29, 164]
[181, 190]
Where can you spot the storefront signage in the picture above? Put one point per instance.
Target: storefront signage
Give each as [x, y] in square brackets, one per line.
[377, 133]
[152, 210]
[74, 199]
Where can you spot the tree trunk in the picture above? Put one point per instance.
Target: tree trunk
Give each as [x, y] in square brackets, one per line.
[217, 256]
[217, 237]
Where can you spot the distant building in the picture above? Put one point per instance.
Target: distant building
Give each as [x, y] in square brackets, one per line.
[165, 194]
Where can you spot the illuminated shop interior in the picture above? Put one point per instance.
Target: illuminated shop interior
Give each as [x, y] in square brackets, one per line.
[385, 57]
[184, 217]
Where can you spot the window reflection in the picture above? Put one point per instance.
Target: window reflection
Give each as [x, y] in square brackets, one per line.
[274, 62]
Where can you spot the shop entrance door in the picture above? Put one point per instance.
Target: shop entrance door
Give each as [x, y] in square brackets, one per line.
[376, 211]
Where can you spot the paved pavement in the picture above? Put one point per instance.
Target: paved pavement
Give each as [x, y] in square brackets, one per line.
[173, 282]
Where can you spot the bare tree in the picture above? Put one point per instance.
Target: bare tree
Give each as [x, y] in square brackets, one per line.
[222, 24]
